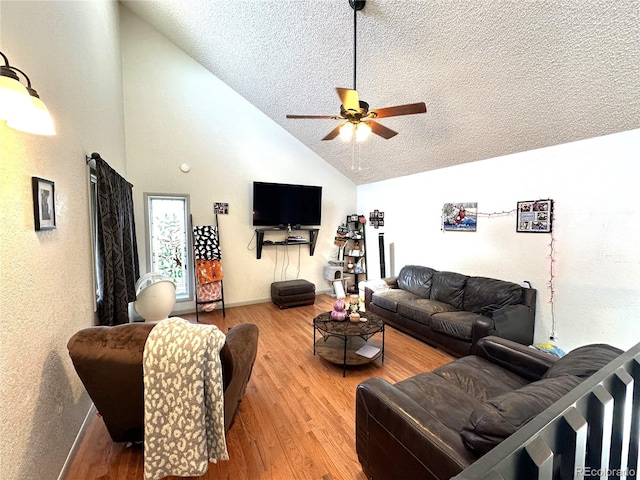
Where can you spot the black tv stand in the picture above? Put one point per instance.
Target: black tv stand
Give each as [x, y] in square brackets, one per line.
[282, 226]
[260, 241]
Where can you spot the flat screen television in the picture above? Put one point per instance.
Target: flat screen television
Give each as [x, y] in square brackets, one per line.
[283, 205]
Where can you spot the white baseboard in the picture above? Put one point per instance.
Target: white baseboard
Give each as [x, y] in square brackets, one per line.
[177, 312]
[76, 443]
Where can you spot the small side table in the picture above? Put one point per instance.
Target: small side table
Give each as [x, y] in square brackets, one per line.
[340, 340]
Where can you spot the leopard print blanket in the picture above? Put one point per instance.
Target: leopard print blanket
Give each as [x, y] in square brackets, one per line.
[183, 399]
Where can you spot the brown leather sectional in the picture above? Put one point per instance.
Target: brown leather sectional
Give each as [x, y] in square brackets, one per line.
[435, 424]
[453, 311]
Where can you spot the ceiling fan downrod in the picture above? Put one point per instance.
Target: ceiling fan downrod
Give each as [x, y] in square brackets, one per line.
[356, 5]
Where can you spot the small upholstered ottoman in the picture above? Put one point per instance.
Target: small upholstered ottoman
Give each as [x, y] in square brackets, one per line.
[293, 293]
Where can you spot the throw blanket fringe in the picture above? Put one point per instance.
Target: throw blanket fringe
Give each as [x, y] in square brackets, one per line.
[183, 399]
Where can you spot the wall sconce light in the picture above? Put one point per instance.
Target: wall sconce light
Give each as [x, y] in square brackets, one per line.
[21, 106]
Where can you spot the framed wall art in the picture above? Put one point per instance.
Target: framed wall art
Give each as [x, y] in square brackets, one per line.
[220, 208]
[460, 217]
[44, 205]
[376, 219]
[534, 216]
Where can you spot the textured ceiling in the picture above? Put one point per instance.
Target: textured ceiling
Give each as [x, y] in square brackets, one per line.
[498, 76]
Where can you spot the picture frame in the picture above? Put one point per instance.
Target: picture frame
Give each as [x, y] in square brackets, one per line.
[44, 203]
[221, 208]
[534, 216]
[460, 217]
[376, 219]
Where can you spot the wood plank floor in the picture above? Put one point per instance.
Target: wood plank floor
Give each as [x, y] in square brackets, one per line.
[297, 419]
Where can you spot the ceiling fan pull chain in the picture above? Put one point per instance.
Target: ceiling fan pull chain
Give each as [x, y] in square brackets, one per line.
[353, 153]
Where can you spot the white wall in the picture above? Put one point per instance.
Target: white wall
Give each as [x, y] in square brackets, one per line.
[176, 111]
[70, 51]
[596, 232]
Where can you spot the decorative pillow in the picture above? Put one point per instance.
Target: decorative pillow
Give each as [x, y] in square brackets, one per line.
[500, 416]
[583, 361]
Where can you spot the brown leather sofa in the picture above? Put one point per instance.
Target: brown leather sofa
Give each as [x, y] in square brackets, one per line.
[451, 310]
[434, 425]
[108, 360]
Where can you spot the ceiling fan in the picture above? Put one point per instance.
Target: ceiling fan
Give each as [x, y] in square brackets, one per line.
[358, 119]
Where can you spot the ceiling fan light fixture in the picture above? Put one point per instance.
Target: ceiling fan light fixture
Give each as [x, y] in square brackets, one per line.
[346, 131]
[358, 131]
[362, 131]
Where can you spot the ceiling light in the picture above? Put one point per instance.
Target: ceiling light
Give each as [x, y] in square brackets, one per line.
[25, 112]
[362, 131]
[346, 131]
[357, 131]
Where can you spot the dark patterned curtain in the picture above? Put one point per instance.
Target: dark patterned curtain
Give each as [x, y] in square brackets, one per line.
[118, 267]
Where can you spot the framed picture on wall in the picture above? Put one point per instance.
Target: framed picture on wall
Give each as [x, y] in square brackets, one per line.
[534, 216]
[220, 208]
[460, 217]
[44, 205]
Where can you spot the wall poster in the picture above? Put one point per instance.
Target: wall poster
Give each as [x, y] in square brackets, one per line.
[460, 217]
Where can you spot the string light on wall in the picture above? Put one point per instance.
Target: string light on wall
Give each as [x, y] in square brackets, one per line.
[551, 285]
[546, 215]
[496, 214]
[21, 106]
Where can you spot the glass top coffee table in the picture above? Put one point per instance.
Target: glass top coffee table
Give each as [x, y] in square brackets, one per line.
[346, 342]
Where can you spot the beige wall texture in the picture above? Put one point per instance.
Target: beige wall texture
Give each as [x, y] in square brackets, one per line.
[71, 53]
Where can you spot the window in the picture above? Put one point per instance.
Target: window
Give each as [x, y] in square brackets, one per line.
[168, 240]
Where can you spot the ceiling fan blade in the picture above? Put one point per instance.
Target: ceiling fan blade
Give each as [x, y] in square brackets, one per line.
[407, 109]
[381, 130]
[333, 133]
[333, 117]
[349, 99]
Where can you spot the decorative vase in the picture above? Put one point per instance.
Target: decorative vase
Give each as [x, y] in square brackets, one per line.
[338, 316]
[339, 312]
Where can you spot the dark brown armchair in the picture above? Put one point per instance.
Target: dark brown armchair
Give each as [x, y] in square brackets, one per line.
[108, 361]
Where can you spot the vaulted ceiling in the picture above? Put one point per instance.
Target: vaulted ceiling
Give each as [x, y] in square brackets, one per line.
[497, 76]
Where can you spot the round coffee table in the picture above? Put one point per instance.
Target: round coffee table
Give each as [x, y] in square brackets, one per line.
[342, 342]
